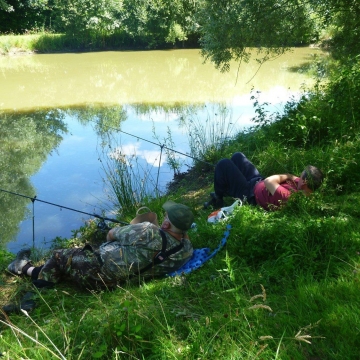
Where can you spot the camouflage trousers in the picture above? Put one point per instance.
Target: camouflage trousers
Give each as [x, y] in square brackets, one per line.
[79, 265]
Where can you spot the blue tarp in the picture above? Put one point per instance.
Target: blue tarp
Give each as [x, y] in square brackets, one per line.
[200, 256]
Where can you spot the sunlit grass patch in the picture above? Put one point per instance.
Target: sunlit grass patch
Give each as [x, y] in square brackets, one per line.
[16, 43]
[39, 42]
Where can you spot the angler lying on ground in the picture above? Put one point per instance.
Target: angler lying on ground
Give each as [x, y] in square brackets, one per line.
[144, 250]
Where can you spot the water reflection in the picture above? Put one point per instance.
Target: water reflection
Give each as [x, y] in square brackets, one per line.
[64, 116]
[64, 161]
[111, 78]
[26, 142]
[69, 177]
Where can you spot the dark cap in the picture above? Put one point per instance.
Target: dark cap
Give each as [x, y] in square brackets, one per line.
[179, 215]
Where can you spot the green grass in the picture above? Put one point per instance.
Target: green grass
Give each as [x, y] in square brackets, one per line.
[299, 267]
[42, 42]
[23, 43]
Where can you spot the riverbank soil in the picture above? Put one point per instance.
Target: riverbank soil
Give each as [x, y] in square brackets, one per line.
[196, 181]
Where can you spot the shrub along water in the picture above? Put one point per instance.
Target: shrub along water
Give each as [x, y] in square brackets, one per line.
[284, 287]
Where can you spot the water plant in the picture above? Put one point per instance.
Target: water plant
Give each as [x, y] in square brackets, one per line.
[129, 181]
[168, 146]
[209, 138]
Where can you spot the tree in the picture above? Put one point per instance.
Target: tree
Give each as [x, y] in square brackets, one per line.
[4, 6]
[88, 18]
[157, 22]
[20, 16]
[230, 27]
[342, 18]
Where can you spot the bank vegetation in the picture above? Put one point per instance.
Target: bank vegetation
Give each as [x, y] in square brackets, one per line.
[286, 284]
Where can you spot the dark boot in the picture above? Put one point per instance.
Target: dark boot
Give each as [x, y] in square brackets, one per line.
[215, 201]
[27, 303]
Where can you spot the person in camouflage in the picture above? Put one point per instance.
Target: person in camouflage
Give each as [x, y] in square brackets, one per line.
[140, 250]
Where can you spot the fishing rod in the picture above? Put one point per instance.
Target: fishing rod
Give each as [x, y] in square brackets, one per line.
[34, 198]
[162, 146]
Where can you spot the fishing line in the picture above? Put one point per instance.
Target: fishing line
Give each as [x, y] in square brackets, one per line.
[33, 199]
[162, 146]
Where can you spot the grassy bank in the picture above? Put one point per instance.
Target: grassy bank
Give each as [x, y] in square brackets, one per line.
[53, 43]
[13, 44]
[50, 43]
[285, 286]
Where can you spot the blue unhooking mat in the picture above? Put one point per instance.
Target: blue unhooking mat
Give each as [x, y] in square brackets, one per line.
[200, 256]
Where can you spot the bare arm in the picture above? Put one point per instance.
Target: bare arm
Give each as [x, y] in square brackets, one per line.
[110, 235]
[274, 181]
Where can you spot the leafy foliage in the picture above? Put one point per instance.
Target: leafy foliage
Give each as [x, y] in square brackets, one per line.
[324, 124]
[88, 19]
[226, 29]
[5, 258]
[100, 24]
[22, 16]
[156, 22]
[229, 28]
[341, 18]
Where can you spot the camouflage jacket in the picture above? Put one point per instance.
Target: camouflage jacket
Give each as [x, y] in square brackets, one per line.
[134, 248]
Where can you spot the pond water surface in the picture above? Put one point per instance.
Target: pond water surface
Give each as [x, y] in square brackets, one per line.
[61, 115]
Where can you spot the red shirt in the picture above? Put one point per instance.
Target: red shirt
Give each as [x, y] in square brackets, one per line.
[282, 193]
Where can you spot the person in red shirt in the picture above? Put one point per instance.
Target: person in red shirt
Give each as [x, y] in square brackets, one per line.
[239, 178]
